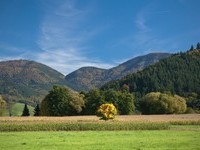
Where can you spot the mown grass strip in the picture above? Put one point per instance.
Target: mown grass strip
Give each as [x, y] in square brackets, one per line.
[84, 126]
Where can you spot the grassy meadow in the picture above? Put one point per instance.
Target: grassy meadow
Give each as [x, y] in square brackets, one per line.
[17, 109]
[100, 140]
[88, 132]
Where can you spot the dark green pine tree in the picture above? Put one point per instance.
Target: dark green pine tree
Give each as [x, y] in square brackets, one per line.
[191, 48]
[25, 111]
[37, 110]
[198, 46]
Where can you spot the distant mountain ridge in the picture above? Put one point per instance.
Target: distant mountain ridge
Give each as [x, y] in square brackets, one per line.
[23, 80]
[87, 78]
[29, 81]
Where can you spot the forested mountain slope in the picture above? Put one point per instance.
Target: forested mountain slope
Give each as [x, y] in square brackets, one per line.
[178, 74]
[87, 78]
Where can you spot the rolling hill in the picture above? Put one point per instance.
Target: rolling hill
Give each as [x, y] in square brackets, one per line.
[29, 81]
[87, 78]
[23, 80]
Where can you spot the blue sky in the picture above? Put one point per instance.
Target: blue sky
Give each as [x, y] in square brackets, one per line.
[69, 34]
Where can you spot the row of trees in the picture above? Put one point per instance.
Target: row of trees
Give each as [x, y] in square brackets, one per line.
[26, 112]
[63, 102]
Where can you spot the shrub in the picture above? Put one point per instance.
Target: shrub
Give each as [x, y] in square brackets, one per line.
[107, 111]
[161, 103]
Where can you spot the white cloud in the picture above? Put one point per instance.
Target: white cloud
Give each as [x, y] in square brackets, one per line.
[63, 36]
[66, 62]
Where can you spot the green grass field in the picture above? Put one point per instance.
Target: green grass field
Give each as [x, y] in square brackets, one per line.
[136, 132]
[17, 109]
[102, 140]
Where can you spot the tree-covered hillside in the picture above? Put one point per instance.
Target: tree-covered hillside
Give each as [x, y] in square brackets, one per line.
[178, 74]
[22, 80]
[86, 78]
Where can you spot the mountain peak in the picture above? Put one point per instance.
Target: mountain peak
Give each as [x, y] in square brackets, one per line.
[23, 79]
[86, 78]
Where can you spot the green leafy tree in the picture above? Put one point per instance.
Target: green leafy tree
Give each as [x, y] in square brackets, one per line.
[2, 105]
[25, 111]
[37, 110]
[162, 103]
[93, 99]
[125, 88]
[123, 100]
[111, 96]
[62, 101]
[193, 101]
[126, 104]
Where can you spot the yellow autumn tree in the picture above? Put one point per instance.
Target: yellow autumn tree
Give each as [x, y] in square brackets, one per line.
[106, 111]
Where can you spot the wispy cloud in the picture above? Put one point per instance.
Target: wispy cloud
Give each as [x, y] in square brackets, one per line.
[63, 37]
[10, 48]
[147, 37]
[141, 22]
[68, 61]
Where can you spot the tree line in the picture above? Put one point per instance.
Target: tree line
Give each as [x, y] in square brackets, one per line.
[62, 102]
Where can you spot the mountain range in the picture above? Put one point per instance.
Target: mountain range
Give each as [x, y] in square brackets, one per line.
[87, 78]
[29, 81]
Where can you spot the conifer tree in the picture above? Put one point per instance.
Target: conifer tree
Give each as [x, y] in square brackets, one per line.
[198, 46]
[25, 111]
[37, 110]
[191, 48]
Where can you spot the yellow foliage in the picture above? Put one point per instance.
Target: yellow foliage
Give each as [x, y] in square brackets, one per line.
[107, 111]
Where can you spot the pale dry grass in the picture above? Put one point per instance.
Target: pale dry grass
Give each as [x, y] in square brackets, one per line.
[160, 118]
[130, 118]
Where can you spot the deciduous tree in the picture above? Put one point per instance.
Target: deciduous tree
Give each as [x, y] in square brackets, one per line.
[2, 105]
[62, 101]
[161, 103]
